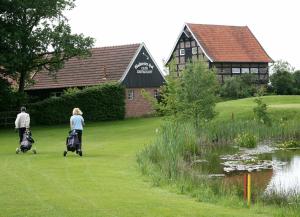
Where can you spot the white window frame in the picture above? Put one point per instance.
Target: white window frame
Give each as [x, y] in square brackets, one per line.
[245, 70]
[130, 94]
[235, 72]
[182, 52]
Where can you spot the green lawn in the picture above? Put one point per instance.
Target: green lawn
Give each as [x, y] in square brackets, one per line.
[106, 180]
[288, 106]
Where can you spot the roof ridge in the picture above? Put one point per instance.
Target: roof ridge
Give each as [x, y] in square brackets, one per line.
[216, 25]
[118, 46]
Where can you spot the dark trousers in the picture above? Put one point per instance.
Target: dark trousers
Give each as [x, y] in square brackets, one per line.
[79, 134]
[21, 132]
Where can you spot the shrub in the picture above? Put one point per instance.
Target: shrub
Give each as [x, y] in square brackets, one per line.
[71, 90]
[296, 76]
[282, 82]
[246, 140]
[260, 112]
[239, 87]
[103, 102]
[190, 96]
[9, 99]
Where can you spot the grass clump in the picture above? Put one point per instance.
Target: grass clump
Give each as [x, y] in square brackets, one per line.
[246, 140]
[289, 144]
[171, 157]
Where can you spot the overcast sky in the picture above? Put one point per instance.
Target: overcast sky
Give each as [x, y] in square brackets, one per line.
[275, 23]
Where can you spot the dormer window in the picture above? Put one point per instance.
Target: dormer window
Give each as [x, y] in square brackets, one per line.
[182, 52]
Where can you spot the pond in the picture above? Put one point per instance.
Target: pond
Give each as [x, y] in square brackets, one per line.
[279, 174]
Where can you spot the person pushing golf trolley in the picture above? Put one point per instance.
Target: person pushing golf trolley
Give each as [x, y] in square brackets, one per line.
[22, 124]
[74, 140]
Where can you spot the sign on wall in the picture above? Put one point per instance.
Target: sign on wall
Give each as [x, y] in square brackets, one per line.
[143, 72]
[144, 67]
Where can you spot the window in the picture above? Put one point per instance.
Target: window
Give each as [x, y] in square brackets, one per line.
[130, 94]
[245, 70]
[236, 70]
[182, 52]
[194, 50]
[156, 94]
[254, 70]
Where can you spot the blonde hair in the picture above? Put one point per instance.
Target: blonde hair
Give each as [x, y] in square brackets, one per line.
[77, 111]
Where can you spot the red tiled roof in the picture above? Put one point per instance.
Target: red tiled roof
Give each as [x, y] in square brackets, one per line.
[107, 64]
[229, 43]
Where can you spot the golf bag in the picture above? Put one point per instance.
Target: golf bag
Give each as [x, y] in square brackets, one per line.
[72, 141]
[27, 142]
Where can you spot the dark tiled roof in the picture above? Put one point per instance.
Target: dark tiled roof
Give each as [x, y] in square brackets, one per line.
[107, 64]
[229, 43]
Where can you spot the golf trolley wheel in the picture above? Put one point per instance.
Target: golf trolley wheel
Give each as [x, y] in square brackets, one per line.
[17, 150]
[65, 153]
[80, 153]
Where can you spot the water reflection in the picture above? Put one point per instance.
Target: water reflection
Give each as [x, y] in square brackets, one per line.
[286, 180]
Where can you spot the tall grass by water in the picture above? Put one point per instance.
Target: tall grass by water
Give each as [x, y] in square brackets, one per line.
[171, 157]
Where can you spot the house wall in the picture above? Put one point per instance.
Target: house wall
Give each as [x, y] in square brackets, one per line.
[191, 51]
[224, 70]
[138, 106]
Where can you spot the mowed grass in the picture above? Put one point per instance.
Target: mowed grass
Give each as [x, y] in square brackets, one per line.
[278, 106]
[105, 181]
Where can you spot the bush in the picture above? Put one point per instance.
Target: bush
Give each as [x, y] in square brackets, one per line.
[9, 99]
[104, 102]
[239, 87]
[246, 140]
[296, 76]
[282, 82]
[260, 112]
[190, 96]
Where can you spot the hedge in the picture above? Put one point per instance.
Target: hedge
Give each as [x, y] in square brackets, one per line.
[98, 103]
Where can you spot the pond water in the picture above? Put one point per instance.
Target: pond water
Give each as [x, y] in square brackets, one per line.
[283, 178]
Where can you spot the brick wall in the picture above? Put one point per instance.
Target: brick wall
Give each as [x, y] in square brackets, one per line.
[138, 106]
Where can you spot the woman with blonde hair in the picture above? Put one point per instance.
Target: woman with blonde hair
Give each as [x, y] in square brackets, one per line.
[77, 123]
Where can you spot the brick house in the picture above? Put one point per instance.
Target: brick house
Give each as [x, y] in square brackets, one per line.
[232, 50]
[131, 65]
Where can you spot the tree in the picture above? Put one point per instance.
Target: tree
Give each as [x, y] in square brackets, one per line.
[282, 82]
[282, 65]
[282, 79]
[239, 87]
[296, 76]
[35, 36]
[198, 94]
[191, 95]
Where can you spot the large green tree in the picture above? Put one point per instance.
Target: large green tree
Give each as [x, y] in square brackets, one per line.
[35, 36]
[191, 95]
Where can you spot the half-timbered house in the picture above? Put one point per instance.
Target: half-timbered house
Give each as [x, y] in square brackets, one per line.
[232, 50]
[131, 65]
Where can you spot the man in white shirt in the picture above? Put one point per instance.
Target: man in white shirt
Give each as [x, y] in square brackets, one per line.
[22, 122]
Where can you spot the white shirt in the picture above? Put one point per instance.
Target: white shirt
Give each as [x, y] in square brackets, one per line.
[22, 120]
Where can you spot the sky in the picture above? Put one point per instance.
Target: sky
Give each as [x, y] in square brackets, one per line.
[157, 23]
